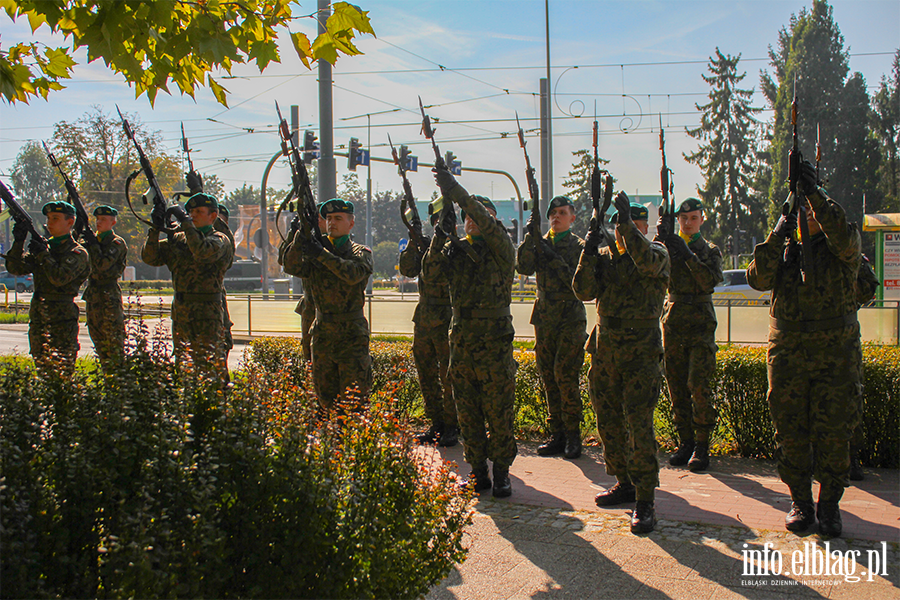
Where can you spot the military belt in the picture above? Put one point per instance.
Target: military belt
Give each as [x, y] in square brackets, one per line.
[432, 301]
[811, 326]
[324, 317]
[556, 296]
[617, 323]
[55, 297]
[480, 313]
[198, 296]
[103, 283]
[690, 298]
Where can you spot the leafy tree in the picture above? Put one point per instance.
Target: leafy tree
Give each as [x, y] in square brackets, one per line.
[34, 179]
[579, 182]
[213, 185]
[811, 61]
[725, 155]
[154, 44]
[385, 256]
[886, 125]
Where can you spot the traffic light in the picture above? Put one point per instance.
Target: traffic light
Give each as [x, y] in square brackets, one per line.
[453, 165]
[353, 154]
[729, 246]
[514, 230]
[409, 163]
[310, 146]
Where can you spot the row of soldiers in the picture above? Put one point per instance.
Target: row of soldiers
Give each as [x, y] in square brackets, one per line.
[463, 337]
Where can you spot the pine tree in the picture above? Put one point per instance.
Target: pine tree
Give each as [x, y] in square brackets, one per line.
[579, 182]
[886, 125]
[726, 157]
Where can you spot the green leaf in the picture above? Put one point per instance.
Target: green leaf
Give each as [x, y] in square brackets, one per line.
[218, 91]
[324, 48]
[59, 63]
[348, 17]
[301, 45]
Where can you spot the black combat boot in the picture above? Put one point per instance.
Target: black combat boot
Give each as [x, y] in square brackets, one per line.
[573, 444]
[829, 516]
[643, 519]
[449, 437]
[478, 480]
[801, 517]
[682, 454]
[617, 494]
[700, 459]
[856, 472]
[430, 435]
[502, 484]
[555, 445]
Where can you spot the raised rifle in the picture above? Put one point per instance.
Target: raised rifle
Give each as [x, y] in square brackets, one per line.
[82, 222]
[666, 184]
[439, 164]
[154, 193]
[601, 186]
[300, 186]
[794, 204]
[19, 214]
[533, 192]
[409, 213]
[193, 179]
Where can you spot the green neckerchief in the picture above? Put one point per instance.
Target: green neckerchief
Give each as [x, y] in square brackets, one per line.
[104, 235]
[205, 230]
[56, 241]
[338, 242]
[474, 238]
[555, 237]
[689, 239]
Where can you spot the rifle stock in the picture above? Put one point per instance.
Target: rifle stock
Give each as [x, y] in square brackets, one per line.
[154, 193]
[601, 186]
[793, 203]
[409, 213]
[668, 202]
[82, 222]
[533, 191]
[19, 214]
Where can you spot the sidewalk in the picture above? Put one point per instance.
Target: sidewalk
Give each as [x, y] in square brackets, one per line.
[549, 540]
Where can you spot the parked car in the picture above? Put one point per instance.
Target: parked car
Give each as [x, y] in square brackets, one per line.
[23, 283]
[736, 288]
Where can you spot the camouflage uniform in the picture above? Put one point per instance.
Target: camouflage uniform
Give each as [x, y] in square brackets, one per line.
[306, 308]
[814, 352]
[626, 352]
[431, 346]
[482, 368]
[58, 275]
[221, 225]
[559, 321]
[198, 260]
[340, 336]
[689, 338]
[103, 297]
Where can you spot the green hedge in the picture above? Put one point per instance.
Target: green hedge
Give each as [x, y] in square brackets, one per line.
[134, 485]
[744, 428]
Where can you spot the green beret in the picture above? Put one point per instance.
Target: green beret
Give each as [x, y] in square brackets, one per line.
[223, 211]
[336, 205]
[200, 199]
[559, 201]
[689, 205]
[485, 201]
[105, 211]
[638, 213]
[60, 207]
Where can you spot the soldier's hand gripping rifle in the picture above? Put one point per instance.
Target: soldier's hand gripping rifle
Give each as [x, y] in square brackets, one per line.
[601, 186]
[19, 214]
[440, 165]
[666, 185]
[300, 186]
[533, 193]
[794, 204]
[82, 222]
[409, 213]
[159, 216]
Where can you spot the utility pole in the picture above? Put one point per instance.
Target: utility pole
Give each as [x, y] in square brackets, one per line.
[327, 183]
[546, 146]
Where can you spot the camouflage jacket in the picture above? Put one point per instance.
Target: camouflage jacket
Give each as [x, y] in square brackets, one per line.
[485, 285]
[60, 270]
[336, 278]
[434, 297]
[197, 260]
[698, 275]
[556, 303]
[107, 265]
[830, 291]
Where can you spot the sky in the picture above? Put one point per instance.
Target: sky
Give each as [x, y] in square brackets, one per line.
[475, 64]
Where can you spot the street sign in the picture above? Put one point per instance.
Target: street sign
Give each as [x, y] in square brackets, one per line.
[403, 244]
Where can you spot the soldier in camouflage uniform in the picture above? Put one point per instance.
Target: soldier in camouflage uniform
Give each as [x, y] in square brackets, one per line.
[103, 298]
[431, 349]
[689, 332]
[559, 321]
[629, 285]
[60, 265]
[198, 256]
[221, 225]
[337, 277]
[814, 353]
[482, 368]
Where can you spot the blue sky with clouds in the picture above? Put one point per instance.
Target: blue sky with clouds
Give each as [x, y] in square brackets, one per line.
[493, 55]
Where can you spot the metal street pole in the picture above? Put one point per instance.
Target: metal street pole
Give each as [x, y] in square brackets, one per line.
[327, 184]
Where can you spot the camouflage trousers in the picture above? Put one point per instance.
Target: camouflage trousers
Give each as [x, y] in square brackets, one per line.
[814, 392]
[483, 373]
[197, 337]
[431, 350]
[106, 325]
[53, 335]
[690, 368]
[559, 353]
[341, 362]
[624, 379]
[306, 308]
[227, 324]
